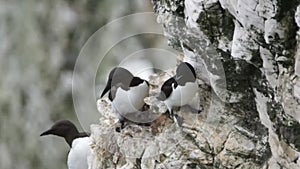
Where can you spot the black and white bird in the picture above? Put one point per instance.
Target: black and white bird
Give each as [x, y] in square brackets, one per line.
[126, 92]
[180, 89]
[79, 143]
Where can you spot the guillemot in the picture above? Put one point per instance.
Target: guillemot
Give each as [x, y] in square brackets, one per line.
[126, 92]
[79, 143]
[180, 89]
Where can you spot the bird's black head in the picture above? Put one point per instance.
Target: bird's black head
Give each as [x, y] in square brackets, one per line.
[185, 72]
[65, 129]
[117, 77]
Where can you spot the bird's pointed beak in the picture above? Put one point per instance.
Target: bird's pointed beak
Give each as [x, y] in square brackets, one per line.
[47, 132]
[106, 89]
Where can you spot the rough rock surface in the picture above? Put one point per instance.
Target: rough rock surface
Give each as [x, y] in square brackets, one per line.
[246, 53]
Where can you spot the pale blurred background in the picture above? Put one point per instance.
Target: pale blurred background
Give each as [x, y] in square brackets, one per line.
[40, 42]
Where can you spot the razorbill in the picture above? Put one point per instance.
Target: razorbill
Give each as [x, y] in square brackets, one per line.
[180, 89]
[79, 143]
[126, 92]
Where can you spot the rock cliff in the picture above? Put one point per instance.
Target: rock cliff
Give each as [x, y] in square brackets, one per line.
[246, 54]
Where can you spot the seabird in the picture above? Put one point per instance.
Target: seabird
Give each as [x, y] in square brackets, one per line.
[79, 143]
[180, 89]
[126, 92]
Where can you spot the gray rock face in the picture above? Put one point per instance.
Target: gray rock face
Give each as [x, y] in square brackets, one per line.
[247, 55]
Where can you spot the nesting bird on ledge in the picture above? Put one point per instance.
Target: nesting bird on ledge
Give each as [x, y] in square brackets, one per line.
[79, 143]
[126, 92]
[180, 89]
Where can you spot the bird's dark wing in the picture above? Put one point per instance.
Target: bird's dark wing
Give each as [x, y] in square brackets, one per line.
[83, 134]
[106, 89]
[110, 96]
[113, 91]
[166, 89]
[136, 81]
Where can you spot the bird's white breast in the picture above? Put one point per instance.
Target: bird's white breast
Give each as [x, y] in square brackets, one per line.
[131, 100]
[77, 158]
[182, 95]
